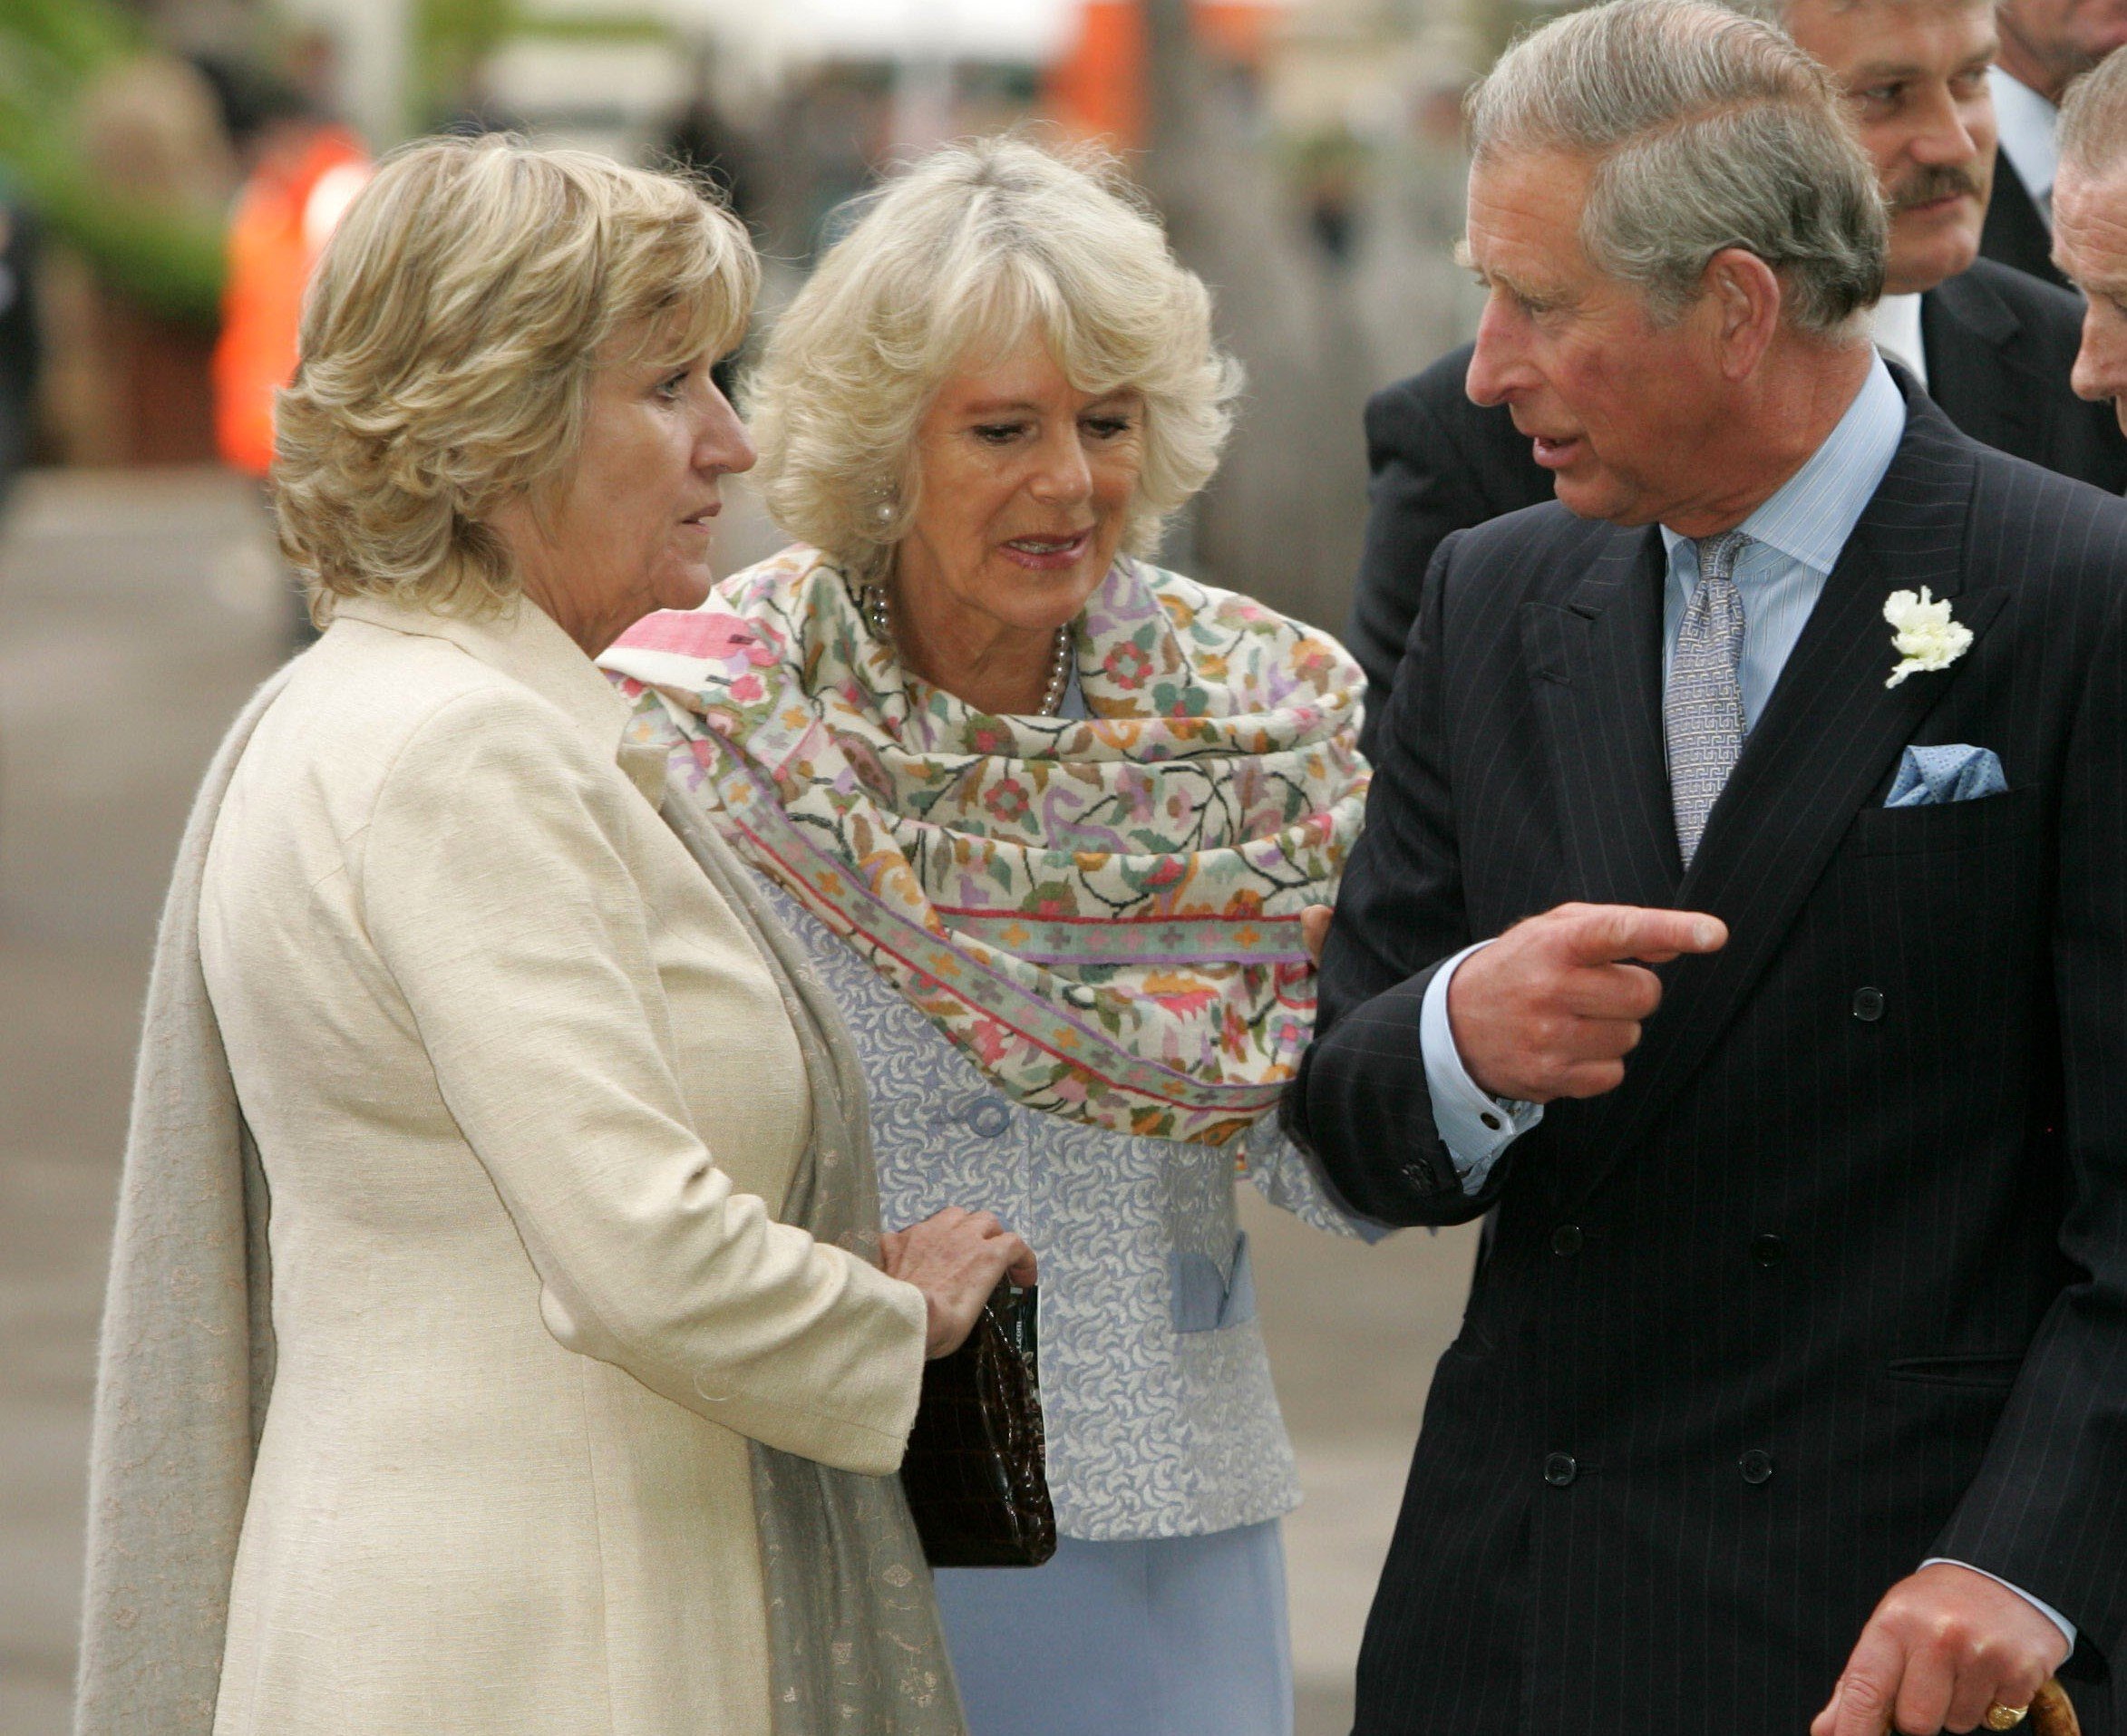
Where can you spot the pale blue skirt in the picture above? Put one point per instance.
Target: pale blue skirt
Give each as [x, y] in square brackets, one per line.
[1167, 1637]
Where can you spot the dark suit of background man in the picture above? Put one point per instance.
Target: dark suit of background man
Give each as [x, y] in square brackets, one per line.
[2045, 44]
[1993, 348]
[2092, 239]
[1792, 1388]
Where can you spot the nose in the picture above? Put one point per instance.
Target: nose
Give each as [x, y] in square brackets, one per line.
[2101, 364]
[722, 447]
[1498, 365]
[1947, 131]
[1062, 477]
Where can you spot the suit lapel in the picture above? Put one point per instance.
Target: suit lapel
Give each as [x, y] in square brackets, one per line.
[1970, 335]
[2014, 233]
[1830, 734]
[1595, 661]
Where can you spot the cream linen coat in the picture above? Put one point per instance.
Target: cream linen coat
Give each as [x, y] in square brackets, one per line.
[521, 1086]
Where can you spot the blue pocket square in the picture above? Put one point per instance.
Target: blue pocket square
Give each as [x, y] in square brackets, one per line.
[1930, 775]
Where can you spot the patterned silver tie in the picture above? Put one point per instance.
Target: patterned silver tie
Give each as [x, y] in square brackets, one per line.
[1701, 712]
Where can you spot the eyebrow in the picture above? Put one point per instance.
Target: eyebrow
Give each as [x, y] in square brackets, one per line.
[1506, 279]
[1026, 407]
[1870, 72]
[1873, 72]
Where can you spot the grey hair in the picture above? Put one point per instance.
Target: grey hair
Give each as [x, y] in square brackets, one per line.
[2094, 118]
[1778, 13]
[978, 245]
[1707, 130]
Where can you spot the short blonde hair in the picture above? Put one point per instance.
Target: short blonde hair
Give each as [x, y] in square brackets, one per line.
[978, 245]
[448, 341]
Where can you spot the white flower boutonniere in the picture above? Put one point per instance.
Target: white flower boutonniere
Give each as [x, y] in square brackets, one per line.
[1923, 635]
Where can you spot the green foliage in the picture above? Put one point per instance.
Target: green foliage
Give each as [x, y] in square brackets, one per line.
[74, 37]
[50, 52]
[451, 38]
[618, 28]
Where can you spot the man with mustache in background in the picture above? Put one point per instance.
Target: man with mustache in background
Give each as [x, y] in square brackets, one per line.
[1992, 346]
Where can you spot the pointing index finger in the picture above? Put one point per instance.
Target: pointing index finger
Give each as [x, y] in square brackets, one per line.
[1611, 934]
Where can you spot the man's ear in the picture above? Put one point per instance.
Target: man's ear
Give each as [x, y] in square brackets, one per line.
[1746, 292]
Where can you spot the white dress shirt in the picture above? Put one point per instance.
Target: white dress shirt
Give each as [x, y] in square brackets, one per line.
[2029, 127]
[1794, 541]
[1895, 326]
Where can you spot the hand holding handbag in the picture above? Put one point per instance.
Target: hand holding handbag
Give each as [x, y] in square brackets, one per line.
[974, 1472]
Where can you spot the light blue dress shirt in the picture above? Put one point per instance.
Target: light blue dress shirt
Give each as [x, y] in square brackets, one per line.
[1795, 539]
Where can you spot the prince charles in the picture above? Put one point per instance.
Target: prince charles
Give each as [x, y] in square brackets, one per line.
[1742, 921]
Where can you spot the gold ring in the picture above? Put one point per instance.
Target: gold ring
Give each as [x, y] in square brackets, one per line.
[2001, 1717]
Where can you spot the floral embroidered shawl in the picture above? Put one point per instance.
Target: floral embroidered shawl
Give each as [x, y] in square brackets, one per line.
[1102, 913]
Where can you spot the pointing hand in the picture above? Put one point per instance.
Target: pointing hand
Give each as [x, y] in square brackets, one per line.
[1552, 1007]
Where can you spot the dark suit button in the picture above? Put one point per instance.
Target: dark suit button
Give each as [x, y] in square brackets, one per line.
[1559, 1469]
[1767, 1249]
[1756, 1466]
[1868, 1005]
[1566, 1239]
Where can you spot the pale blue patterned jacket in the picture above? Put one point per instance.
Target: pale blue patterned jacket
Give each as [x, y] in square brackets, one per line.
[1155, 1385]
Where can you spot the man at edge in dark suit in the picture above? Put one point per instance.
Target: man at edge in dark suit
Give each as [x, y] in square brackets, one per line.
[2091, 234]
[1993, 347]
[1792, 1387]
[2045, 43]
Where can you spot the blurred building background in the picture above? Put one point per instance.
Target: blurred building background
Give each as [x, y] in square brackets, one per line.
[166, 168]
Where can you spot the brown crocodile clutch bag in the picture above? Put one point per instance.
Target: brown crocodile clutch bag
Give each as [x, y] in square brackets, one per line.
[974, 1471]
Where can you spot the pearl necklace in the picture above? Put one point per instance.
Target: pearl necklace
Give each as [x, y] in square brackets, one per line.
[872, 601]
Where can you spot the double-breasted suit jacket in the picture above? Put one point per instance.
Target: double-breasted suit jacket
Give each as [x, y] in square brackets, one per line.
[1836, 1281]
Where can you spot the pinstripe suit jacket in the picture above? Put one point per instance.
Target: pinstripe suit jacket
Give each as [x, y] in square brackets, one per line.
[1837, 1279]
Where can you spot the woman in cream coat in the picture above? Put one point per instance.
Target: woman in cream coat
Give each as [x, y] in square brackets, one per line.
[550, 1383]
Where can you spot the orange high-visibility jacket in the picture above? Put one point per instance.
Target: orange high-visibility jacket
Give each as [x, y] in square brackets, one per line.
[282, 221]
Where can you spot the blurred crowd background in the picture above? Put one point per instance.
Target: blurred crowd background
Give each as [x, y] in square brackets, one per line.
[169, 167]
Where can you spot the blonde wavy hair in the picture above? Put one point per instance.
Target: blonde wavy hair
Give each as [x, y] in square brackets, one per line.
[448, 341]
[975, 246]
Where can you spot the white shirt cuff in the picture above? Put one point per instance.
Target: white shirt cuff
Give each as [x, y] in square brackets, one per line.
[2052, 1615]
[1474, 1125]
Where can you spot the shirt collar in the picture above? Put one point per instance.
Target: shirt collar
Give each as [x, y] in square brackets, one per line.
[523, 641]
[2029, 127]
[1895, 326]
[1811, 516]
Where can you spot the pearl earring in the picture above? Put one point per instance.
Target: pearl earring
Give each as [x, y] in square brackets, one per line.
[883, 514]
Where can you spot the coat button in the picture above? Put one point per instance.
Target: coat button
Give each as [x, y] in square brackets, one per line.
[1559, 1469]
[1566, 1239]
[1756, 1466]
[1767, 1249]
[989, 1119]
[1868, 1005]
